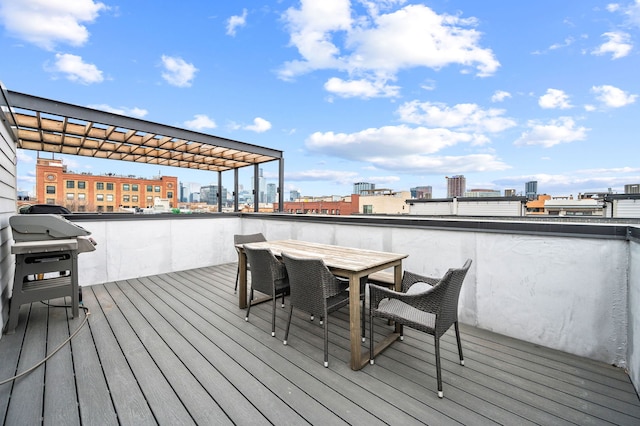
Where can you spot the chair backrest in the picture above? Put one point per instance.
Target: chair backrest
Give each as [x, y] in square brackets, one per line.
[248, 238]
[450, 286]
[265, 269]
[311, 283]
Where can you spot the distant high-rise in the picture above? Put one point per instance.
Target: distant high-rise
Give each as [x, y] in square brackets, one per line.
[271, 193]
[361, 187]
[421, 192]
[509, 192]
[456, 186]
[531, 189]
[632, 189]
[294, 195]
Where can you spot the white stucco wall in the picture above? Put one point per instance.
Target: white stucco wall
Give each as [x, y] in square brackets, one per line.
[634, 315]
[129, 249]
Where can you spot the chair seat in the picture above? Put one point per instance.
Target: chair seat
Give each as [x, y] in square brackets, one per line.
[411, 316]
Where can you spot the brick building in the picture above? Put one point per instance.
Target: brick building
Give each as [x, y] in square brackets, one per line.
[323, 205]
[84, 192]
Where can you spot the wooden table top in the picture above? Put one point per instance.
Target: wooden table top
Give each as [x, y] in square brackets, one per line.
[344, 258]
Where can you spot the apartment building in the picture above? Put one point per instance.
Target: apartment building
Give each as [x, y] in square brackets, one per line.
[85, 192]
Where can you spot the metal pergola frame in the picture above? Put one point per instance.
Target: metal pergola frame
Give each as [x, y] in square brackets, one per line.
[52, 126]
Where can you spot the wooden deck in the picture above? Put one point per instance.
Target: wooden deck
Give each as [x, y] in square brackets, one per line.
[175, 349]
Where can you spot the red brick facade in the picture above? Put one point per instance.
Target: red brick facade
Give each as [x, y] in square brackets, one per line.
[342, 207]
[82, 192]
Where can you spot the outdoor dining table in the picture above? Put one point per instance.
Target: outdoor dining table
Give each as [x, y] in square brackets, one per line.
[352, 263]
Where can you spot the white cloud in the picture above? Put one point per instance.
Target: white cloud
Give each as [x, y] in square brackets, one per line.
[631, 12]
[562, 130]
[337, 176]
[177, 71]
[259, 125]
[200, 122]
[618, 45]
[613, 7]
[46, 23]
[612, 96]
[500, 95]
[465, 117]
[554, 99]
[388, 141]
[413, 164]
[24, 157]
[329, 35]
[235, 22]
[361, 88]
[566, 43]
[130, 112]
[76, 69]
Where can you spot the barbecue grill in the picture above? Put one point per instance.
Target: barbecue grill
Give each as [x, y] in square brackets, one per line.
[46, 249]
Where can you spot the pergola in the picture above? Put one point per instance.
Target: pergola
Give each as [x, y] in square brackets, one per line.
[51, 126]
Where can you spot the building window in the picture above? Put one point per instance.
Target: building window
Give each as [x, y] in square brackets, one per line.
[71, 184]
[81, 196]
[51, 189]
[109, 208]
[70, 196]
[100, 197]
[82, 184]
[367, 209]
[125, 187]
[157, 188]
[125, 198]
[149, 188]
[169, 194]
[134, 198]
[109, 186]
[110, 197]
[100, 209]
[134, 187]
[81, 208]
[100, 185]
[51, 201]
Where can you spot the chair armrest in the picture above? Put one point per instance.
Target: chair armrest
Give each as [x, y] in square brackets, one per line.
[428, 300]
[410, 278]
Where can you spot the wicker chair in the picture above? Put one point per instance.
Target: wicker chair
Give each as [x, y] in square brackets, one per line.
[314, 289]
[425, 304]
[268, 276]
[244, 239]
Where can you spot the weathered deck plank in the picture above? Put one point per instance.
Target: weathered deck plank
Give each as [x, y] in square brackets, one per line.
[175, 349]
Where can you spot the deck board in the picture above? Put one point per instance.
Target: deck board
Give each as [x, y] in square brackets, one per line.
[175, 349]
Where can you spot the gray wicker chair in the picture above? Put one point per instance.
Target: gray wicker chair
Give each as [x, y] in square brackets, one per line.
[244, 239]
[315, 290]
[268, 276]
[425, 304]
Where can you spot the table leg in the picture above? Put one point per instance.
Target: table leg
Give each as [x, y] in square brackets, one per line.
[354, 322]
[242, 279]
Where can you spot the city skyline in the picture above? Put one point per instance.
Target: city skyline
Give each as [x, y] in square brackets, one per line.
[354, 91]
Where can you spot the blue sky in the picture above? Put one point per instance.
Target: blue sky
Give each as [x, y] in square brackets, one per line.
[394, 92]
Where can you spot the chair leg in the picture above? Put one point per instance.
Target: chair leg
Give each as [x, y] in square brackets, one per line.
[235, 289]
[286, 333]
[273, 317]
[459, 342]
[363, 330]
[246, 318]
[438, 372]
[326, 341]
[371, 361]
